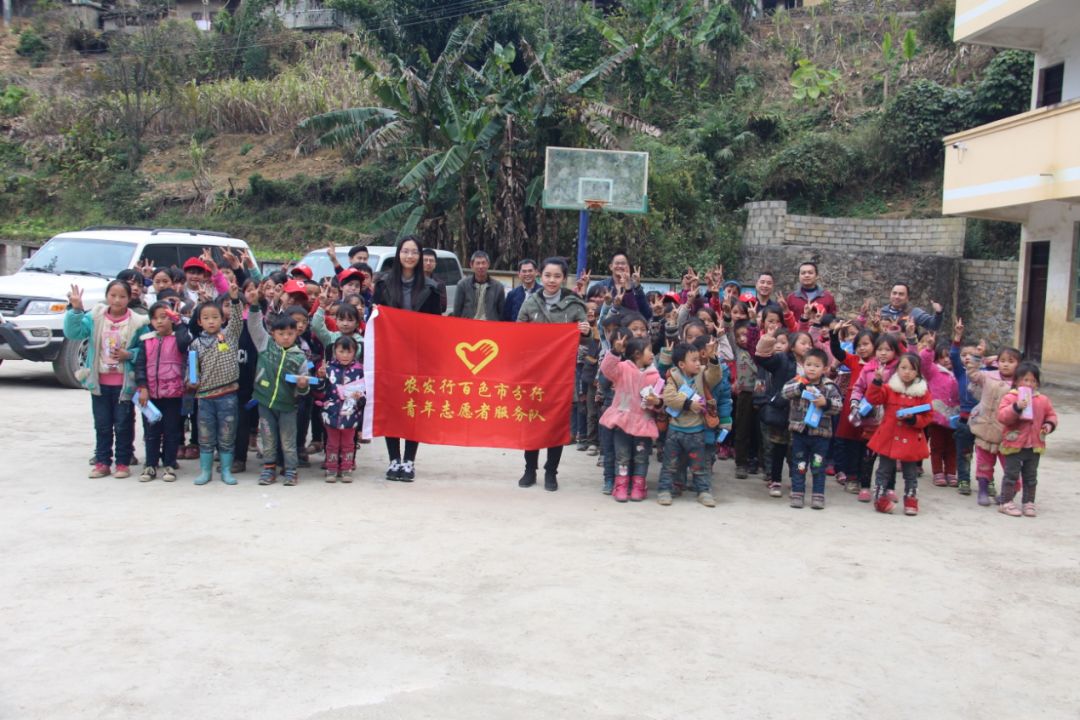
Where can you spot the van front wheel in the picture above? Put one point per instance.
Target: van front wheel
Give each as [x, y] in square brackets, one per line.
[71, 358]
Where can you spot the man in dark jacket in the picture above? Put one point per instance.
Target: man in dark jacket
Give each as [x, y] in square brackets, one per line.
[515, 298]
[480, 297]
[810, 292]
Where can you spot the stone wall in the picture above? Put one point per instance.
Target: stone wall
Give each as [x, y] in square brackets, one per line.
[862, 259]
[12, 255]
[987, 301]
[769, 224]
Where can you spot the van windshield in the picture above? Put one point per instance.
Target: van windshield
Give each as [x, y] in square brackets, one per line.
[82, 256]
[321, 267]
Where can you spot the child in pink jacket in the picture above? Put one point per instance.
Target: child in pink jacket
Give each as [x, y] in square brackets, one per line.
[629, 418]
[937, 365]
[1024, 438]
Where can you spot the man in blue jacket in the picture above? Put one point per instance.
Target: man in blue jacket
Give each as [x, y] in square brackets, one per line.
[628, 285]
[516, 297]
[898, 310]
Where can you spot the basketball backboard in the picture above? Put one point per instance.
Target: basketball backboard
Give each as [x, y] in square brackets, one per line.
[580, 179]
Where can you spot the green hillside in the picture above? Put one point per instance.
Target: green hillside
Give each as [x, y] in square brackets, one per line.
[432, 117]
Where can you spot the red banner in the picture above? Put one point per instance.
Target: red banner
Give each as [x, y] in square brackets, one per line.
[450, 381]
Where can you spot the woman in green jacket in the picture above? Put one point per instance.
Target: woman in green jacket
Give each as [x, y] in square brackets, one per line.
[553, 304]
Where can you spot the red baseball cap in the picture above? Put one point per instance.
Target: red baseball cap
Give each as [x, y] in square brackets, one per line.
[196, 264]
[348, 274]
[747, 298]
[303, 270]
[295, 286]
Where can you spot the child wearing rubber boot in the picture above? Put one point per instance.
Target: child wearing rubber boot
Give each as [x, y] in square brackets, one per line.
[275, 394]
[809, 440]
[634, 430]
[684, 397]
[1028, 417]
[218, 373]
[900, 439]
[989, 386]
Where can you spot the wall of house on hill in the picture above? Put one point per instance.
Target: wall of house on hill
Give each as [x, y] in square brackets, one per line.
[860, 258]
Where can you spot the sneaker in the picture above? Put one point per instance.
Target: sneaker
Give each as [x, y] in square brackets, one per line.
[600, 461]
[852, 486]
[775, 490]
[740, 472]
[706, 499]
[291, 478]
[817, 502]
[884, 505]
[302, 460]
[911, 505]
[1029, 510]
[346, 476]
[582, 446]
[939, 480]
[393, 472]
[1009, 509]
[122, 471]
[100, 470]
[408, 472]
[950, 480]
[964, 487]
[168, 474]
[841, 478]
[239, 466]
[148, 474]
[864, 495]
[314, 448]
[830, 470]
[891, 494]
[331, 476]
[529, 479]
[608, 487]
[663, 497]
[268, 475]
[593, 450]
[797, 500]
[724, 452]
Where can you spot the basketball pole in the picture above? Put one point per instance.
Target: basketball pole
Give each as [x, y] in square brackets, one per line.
[582, 242]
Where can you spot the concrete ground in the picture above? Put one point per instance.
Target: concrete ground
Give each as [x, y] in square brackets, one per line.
[462, 596]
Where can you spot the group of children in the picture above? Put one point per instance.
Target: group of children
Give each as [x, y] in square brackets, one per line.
[709, 375]
[717, 374]
[229, 350]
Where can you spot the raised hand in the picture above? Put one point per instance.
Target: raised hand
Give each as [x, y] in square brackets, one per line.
[584, 327]
[938, 307]
[879, 373]
[75, 298]
[230, 257]
[251, 295]
[234, 290]
[635, 277]
[958, 330]
[910, 328]
[146, 267]
[619, 345]
[867, 304]
[246, 259]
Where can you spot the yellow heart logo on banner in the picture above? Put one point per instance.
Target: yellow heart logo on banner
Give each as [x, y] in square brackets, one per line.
[477, 355]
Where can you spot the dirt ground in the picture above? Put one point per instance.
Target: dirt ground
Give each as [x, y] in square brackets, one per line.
[463, 596]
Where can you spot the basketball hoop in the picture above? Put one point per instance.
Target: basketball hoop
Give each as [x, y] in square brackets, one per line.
[595, 204]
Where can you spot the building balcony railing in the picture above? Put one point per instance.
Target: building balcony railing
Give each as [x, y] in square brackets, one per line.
[998, 170]
[1012, 23]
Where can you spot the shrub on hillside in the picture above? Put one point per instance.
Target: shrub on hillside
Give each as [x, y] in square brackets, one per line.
[935, 25]
[32, 46]
[1005, 88]
[815, 167]
[917, 119]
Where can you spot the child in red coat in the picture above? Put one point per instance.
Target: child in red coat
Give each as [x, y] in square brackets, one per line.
[900, 439]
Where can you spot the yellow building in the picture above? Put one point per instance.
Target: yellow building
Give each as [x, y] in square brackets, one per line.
[1026, 168]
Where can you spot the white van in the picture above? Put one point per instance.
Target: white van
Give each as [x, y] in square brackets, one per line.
[33, 300]
[381, 259]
